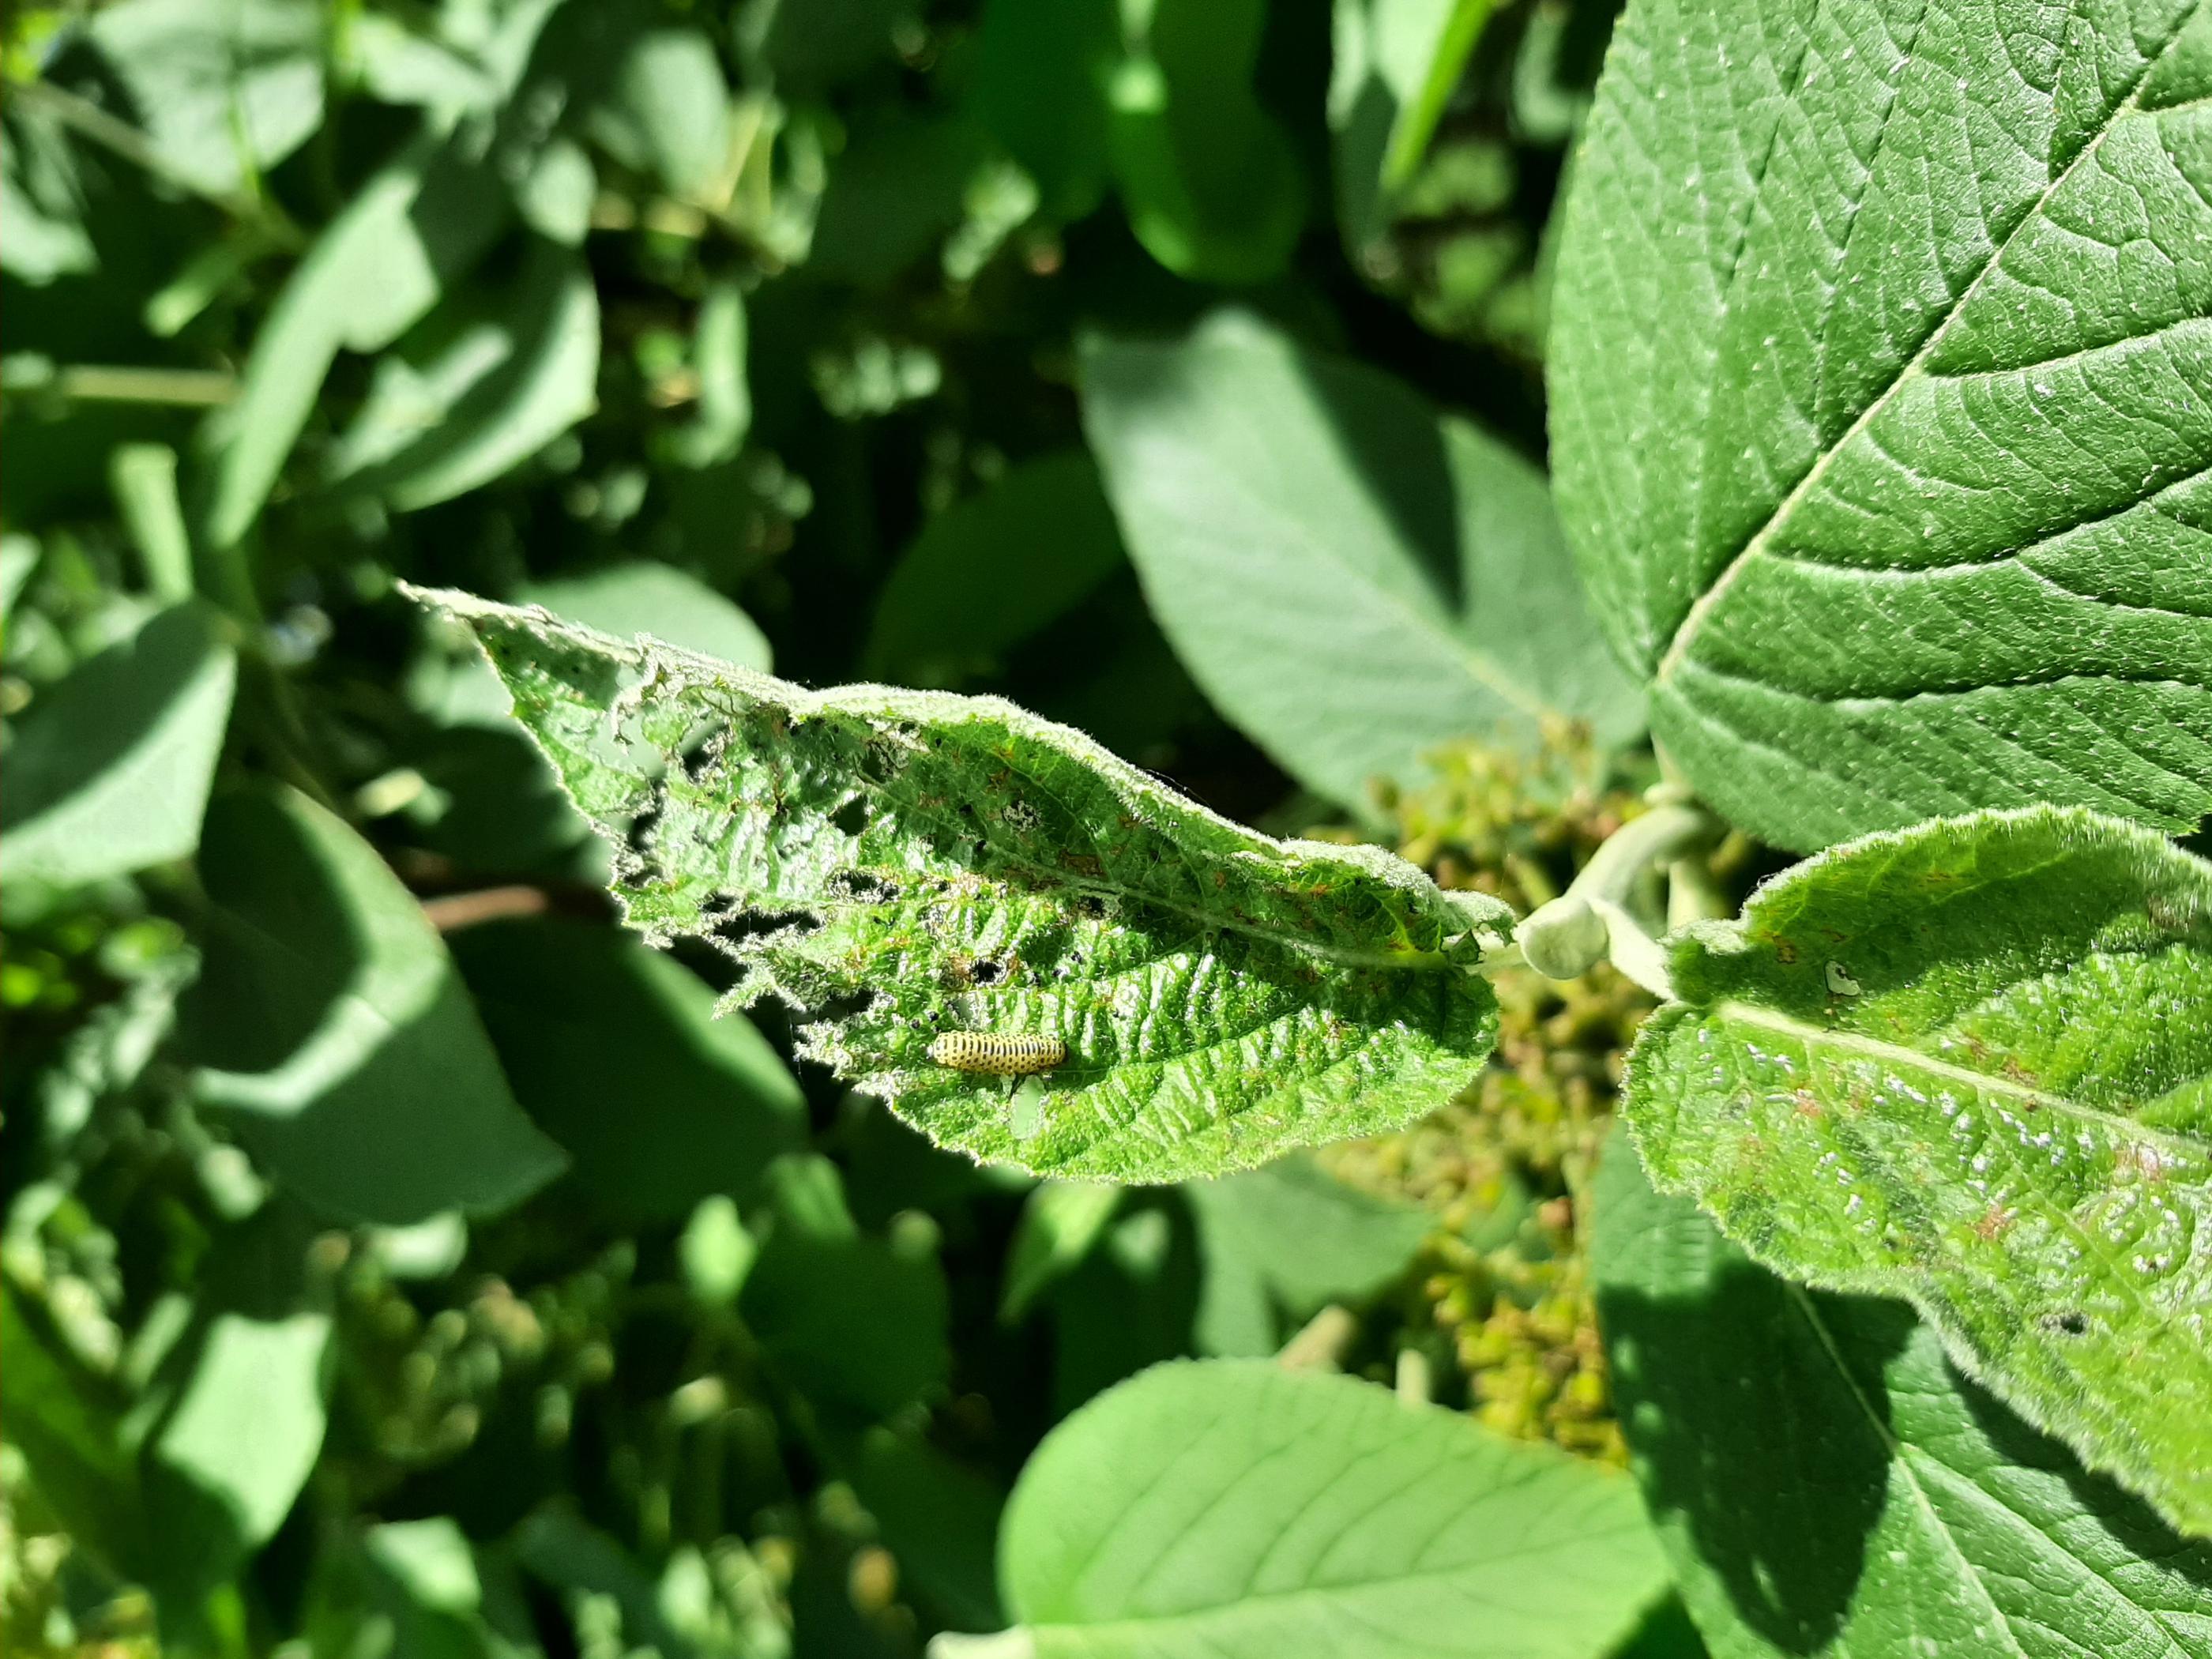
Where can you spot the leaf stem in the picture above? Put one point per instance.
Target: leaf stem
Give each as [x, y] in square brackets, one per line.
[1591, 922]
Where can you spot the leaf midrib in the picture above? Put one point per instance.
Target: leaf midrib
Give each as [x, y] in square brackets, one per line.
[1678, 647]
[1859, 1045]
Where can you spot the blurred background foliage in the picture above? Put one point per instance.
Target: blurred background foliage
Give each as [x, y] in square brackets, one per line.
[397, 1259]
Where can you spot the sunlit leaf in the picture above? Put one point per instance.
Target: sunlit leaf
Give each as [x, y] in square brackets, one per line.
[1882, 406]
[1969, 1064]
[1196, 997]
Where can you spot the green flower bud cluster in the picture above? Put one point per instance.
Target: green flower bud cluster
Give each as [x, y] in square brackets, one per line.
[1506, 1166]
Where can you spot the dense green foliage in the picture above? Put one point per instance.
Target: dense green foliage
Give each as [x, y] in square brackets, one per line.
[640, 637]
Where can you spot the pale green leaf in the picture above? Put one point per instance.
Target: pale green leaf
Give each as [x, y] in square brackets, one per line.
[991, 570]
[247, 1424]
[1234, 1509]
[725, 399]
[1830, 1486]
[333, 1033]
[415, 227]
[1282, 1241]
[109, 770]
[225, 90]
[494, 376]
[943, 865]
[668, 112]
[1970, 1064]
[628, 600]
[1881, 403]
[1354, 579]
[42, 202]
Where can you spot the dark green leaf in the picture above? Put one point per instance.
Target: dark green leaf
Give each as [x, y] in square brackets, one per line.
[331, 1028]
[614, 1051]
[991, 571]
[1882, 408]
[1827, 1483]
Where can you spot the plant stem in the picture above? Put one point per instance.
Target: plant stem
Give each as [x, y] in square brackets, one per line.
[1590, 922]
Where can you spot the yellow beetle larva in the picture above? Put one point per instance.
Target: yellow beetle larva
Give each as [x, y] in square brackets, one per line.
[997, 1055]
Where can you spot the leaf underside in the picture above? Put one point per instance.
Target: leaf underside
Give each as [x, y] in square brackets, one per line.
[1971, 1065]
[1882, 403]
[902, 864]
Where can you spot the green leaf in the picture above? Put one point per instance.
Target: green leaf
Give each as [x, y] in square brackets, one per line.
[725, 399]
[991, 571]
[626, 600]
[109, 771]
[492, 376]
[944, 864]
[1235, 1509]
[68, 1425]
[1352, 578]
[1059, 1223]
[857, 1324]
[1826, 1483]
[1881, 406]
[411, 231]
[614, 1051]
[668, 112]
[42, 201]
[232, 1452]
[1394, 69]
[1208, 176]
[1282, 1243]
[1968, 1064]
[224, 89]
[940, 1518]
[333, 1032]
[1041, 74]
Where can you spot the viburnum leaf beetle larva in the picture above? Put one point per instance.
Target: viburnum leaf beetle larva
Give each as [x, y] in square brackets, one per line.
[997, 1055]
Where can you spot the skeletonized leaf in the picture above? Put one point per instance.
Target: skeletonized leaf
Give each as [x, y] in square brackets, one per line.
[1881, 403]
[1234, 1509]
[907, 865]
[1971, 1064]
[1921, 1517]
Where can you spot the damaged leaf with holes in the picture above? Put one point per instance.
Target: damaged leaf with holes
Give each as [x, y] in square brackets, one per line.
[1971, 1064]
[902, 865]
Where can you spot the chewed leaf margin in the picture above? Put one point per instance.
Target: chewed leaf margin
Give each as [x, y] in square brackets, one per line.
[898, 865]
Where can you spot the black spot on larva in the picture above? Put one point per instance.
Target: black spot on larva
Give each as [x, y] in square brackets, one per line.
[2072, 1322]
[853, 816]
[987, 972]
[1091, 907]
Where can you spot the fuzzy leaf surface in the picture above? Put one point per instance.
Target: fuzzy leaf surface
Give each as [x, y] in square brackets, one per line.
[1828, 1485]
[904, 865]
[1881, 392]
[1970, 1064]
